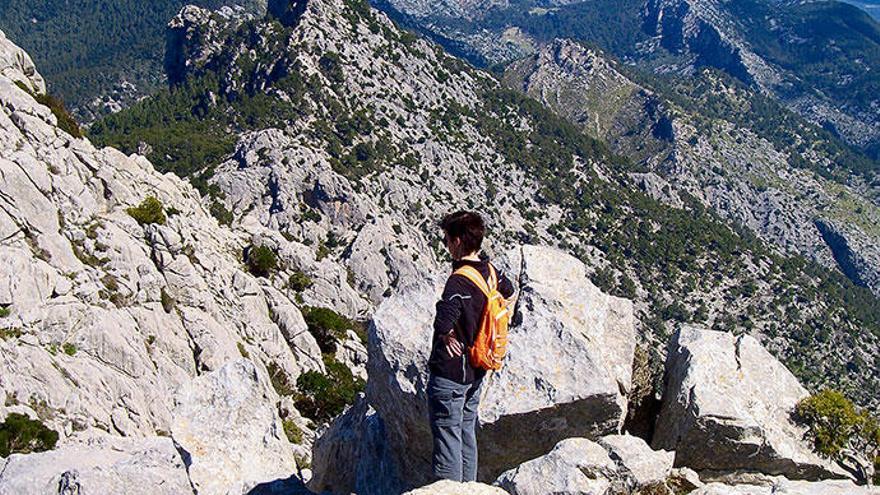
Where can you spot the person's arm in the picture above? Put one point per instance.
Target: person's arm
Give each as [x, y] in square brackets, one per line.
[449, 308]
[505, 286]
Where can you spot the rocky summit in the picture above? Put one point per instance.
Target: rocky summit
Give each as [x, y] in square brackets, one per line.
[259, 320]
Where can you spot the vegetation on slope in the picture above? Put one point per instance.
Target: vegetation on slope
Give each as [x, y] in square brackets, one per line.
[681, 265]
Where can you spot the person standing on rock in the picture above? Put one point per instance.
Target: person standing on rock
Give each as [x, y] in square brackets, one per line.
[454, 381]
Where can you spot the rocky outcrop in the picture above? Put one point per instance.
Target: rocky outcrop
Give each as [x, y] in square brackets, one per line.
[452, 488]
[615, 464]
[727, 407]
[105, 318]
[353, 452]
[587, 88]
[579, 389]
[16, 65]
[228, 432]
[98, 463]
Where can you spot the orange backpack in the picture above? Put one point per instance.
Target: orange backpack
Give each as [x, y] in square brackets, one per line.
[490, 344]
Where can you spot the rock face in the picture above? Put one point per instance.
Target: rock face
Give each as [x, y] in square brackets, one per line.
[228, 433]
[616, 464]
[727, 407]
[16, 65]
[98, 463]
[353, 452]
[105, 318]
[576, 390]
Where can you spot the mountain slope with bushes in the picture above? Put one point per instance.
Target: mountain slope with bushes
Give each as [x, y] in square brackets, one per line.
[327, 123]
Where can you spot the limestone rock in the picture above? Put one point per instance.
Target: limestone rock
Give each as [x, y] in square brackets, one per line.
[576, 390]
[16, 64]
[575, 465]
[98, 463]
[727, 406]
[353, 452]
[446, 487]
[228, 432]
[614, 464]
[637, 464]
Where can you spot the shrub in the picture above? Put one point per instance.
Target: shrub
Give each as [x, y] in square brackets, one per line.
[322, 397]
[5, 311]
[66, 122]
[69, 348]
[836, 424]
[149, 211]
[294, 433]
[221, 213]
[20, 434]
[261, 261]
[327, 326]
[299, 281]
[279, 379]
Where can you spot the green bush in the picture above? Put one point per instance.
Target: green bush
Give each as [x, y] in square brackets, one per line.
[69, 349]
[835, 424]
[322, 397]
[299, 281]
[279, 379]
[294, 433]
[261, 261]
[327, 326]
[149, 211]
[5, 311]
[20, 434]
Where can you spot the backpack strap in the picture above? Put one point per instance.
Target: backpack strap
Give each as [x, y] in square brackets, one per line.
[477, 279]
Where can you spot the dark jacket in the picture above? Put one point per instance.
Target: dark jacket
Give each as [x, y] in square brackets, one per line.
[460, 309]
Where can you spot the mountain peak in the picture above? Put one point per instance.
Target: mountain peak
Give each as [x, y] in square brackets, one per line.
[17, 66]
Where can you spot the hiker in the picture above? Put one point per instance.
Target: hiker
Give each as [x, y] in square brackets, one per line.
[456, 369]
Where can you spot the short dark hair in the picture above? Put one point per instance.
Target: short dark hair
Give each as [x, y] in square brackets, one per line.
[467, 226]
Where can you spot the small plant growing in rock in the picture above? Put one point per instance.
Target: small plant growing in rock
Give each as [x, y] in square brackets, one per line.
[279, 379]
[322, 397]
[261, 261]
[167, 301]
[299, 281]
[244, 353]
[149, 211]
[327, 326]
[69, 349]
[21, 434]
[5, 311]
[294, 433]
[838, 429]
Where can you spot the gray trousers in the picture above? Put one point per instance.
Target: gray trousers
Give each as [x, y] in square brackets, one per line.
[453, 410]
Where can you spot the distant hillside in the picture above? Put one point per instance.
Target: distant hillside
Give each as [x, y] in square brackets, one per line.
[87, 48]
[872, 8]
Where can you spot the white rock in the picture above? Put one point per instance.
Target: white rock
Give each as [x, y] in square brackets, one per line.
[575, 390]
[228, 432]
[446, 487]
[727, 406]
[99, 464]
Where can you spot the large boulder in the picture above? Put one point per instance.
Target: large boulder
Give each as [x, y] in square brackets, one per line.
[727, 407]
[567, 372]
[98, 463]
[228, 432]
[352, 452]
[446, 487]
[615, 464]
